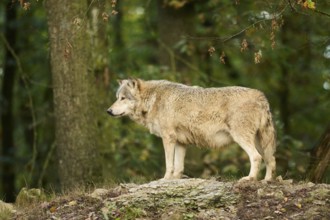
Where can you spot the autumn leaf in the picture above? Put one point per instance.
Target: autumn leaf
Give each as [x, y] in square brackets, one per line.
[114, 12]
[52, 209]
[26, 6]
[211, 50]
[113, 3]
[177, 4]
[244, 45]
[222, 58]
[309, 4]
[105, 16]
[257, 57]
[72, 203]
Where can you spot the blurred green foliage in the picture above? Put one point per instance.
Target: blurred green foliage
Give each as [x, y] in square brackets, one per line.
[294, 73]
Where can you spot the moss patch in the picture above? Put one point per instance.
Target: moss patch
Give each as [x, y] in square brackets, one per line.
[191, 199]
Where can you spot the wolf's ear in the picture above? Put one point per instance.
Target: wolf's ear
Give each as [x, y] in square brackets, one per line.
[135, 83]
[120, 81]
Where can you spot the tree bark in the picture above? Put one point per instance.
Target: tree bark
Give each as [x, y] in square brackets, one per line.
[73, 87]
[320, 158]
[7, 120]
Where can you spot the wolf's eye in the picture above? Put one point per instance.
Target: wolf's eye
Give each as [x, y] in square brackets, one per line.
[122, 98]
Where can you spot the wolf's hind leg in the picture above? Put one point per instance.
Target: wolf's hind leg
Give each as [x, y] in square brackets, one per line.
[180, 152]
[270, 165]
[254, 157]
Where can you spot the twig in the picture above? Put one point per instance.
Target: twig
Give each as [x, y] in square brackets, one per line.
[242, 31]
[321, 12]
[293, 9]
[187, 63]
[291, 6]
[313, 10]
[170, 53]
[89, 6]
[24, 78]
[174, 56]
[224, 40]
[44, 167]
[11, 50]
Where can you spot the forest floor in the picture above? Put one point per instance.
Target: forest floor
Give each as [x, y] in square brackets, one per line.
[185, 199]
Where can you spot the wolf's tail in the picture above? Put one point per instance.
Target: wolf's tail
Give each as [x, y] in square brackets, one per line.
[267, 143]
[267, 133]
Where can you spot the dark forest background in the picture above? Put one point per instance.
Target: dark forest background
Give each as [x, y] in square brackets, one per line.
[59, 62]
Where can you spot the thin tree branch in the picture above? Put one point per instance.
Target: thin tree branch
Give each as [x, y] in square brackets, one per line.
[228, 38]
[321, 12]
[313, 10]
[46, 163]
[170, 53]
[293, 9]
[242, 31]
[24, 78]
[187, 63]
[291, 6]
[11, 50]
[174, 56]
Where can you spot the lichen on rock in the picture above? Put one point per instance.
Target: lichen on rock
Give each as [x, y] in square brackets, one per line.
[191, 199]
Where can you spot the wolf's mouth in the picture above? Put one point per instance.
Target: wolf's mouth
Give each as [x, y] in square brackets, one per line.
[119, 115]
[110, 112]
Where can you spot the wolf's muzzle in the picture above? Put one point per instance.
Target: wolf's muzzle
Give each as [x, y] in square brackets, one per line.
[110, 112]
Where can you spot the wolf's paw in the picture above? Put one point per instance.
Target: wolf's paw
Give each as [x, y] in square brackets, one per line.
[177, 176]
[166, 178]
[247, 178]
[266, 181]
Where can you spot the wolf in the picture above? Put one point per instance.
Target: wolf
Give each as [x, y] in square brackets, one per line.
[207, 117]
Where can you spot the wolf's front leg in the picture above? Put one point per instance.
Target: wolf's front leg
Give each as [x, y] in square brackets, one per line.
[169, 148]
[180, 152]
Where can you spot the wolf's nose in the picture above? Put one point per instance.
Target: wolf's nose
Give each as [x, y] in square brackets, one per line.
[110, 112]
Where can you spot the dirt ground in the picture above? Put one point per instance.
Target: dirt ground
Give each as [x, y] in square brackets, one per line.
[189, 199]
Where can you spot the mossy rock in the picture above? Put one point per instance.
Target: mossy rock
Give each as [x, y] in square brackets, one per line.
[189, 199]
[27, 197]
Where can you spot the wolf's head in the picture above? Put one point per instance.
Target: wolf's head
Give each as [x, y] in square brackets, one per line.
[127, 97]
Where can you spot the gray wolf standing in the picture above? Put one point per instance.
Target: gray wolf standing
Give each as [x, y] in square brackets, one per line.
[182, 115]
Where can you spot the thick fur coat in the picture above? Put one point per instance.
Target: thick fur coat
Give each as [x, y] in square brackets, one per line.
[207, 117]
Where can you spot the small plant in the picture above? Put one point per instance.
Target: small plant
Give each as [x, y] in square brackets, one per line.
[114, 212]
[27, 197]
[6, 211]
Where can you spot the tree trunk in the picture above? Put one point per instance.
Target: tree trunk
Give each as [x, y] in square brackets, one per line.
[73, 87]
[7, 120]
[320, 158]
